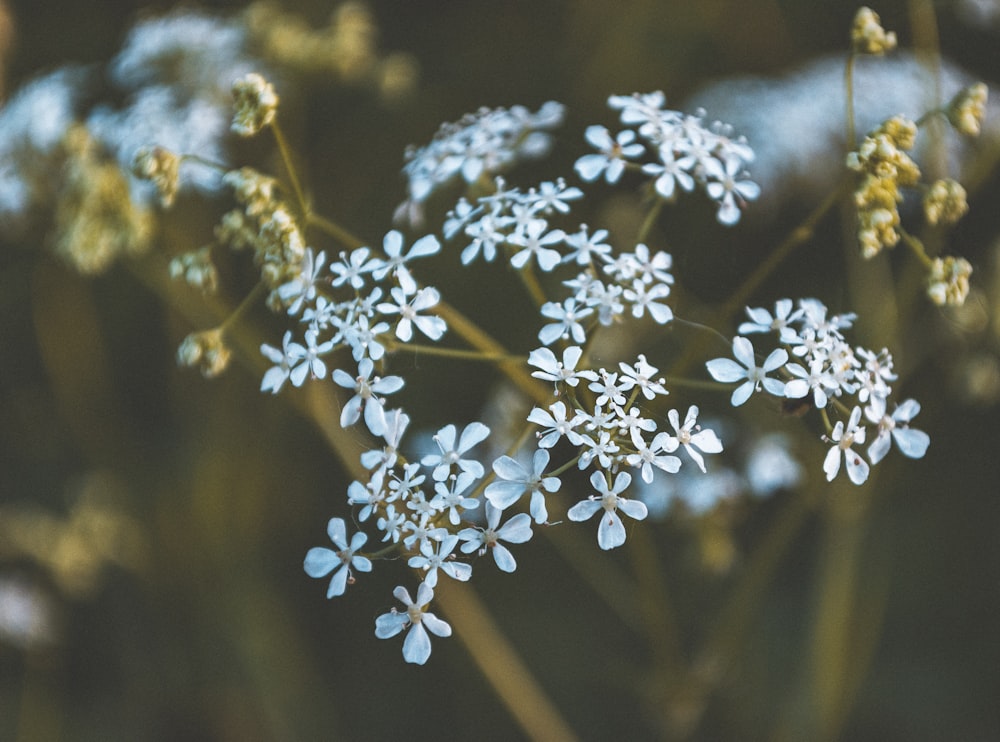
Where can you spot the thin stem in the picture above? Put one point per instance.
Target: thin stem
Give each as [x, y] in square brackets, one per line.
[531, 283]
[293, 177]
[801, 234]
[916, 247]
[851, 134]
[478, 338]
[206, 162]
[334, 230]
[244, 306]
[465, 355]
[650, 220]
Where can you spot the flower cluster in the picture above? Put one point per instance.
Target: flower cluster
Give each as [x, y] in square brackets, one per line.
[481, 144]
[440, 510]
[676, 149]
[361, 319]
[603, 419]
[818, 364]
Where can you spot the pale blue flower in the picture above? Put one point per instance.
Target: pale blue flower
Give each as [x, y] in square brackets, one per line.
[515, 480]
[417, 645]
[727, 370]
[611, 531]
[321, 561]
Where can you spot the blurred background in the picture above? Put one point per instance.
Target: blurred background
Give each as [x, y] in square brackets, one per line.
[153, 523]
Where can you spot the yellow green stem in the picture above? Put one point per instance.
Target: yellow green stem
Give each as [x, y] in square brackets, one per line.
[334, 230]
[293, 177]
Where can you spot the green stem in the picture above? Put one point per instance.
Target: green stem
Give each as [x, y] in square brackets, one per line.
[465, 355]
[534, 288]
[849, 103]
[650, 220]
[293, 177]
[334, 230]
[515, 370]
[796, 237]
[244, 306]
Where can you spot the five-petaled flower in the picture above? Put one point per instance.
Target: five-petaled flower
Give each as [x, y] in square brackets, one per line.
[517, 530]
[611, 531]
[321, 561]
[843, 438]
[515, 480]
[726, 370]
[417, 645]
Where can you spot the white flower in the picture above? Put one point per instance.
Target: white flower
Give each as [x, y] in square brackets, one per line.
[321, 561]
[417, 645]
[555, 371]
[586, 247]
[352, 268]
[370, 495]
[362, 337]
[277, 375]
[611, 531]
[450, 498]
[695, 443]
[896, 427]
[567, 324]
[843, 437]
[517, 530]
[365, 389]
[556, 424]
[302, 288]
[726, 370]
[395, 425]
[670, 173]
[433, 327]
[391, 524]
[613, 152]
[534, 241]
[730, 192]
[516, 480]
[640, 375]
[308, 357]
[452, 452]
[818, 378]
[762, 321]
[552, 197]
[392, 246]
[431, 561]
[644, 296]
[608, 388]
[655, 454]
[602, 448]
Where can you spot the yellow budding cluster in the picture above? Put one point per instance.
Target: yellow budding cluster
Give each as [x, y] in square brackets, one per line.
[265, 226]
[868, 36]
[886, 169]
[162, 168]
[207, 350]
[967, 109]
[948, 282]
[256, 104]
[196, 269]
[945, 202]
